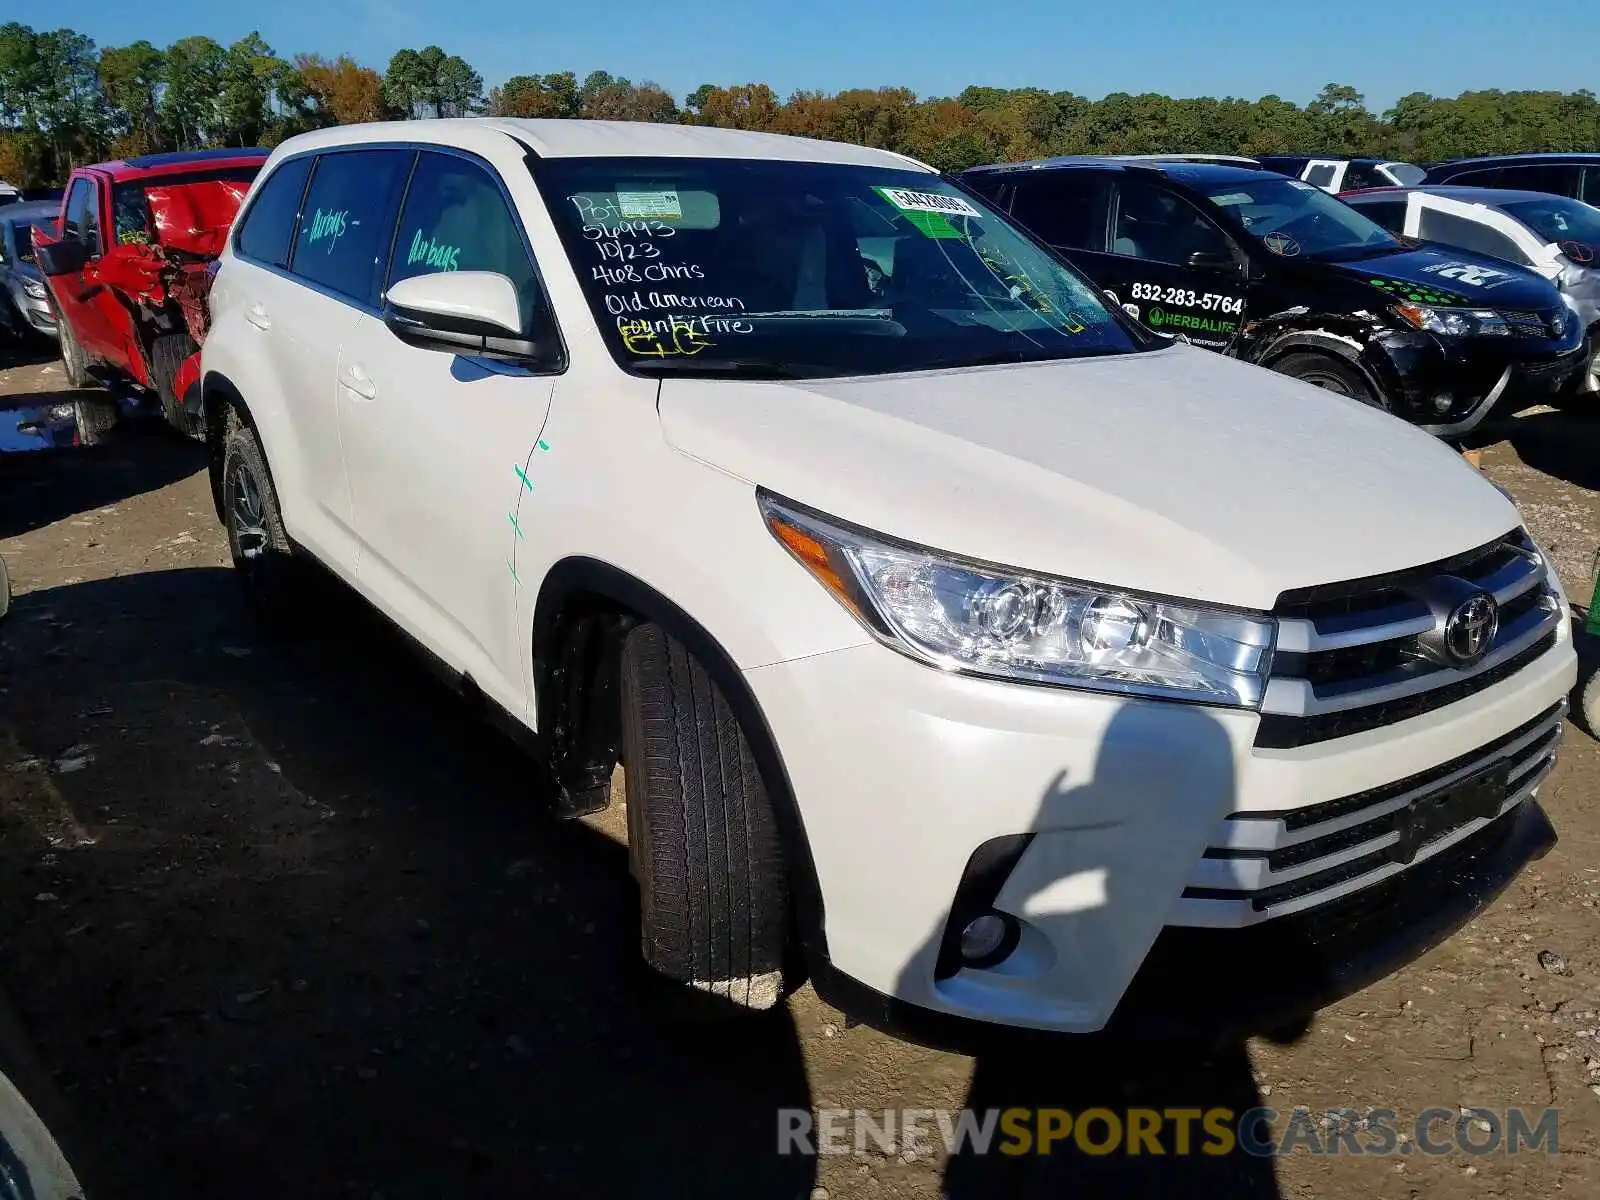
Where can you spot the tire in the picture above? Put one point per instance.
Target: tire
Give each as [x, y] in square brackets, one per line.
[43, 1153]
[168, 351]
[263, 557]
[1330, 373]
[95, 418]
[702, 840]
[73, 362]
[1578, 399]
[1589, 705]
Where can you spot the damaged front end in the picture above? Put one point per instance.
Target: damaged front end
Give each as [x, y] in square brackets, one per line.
[166, 265]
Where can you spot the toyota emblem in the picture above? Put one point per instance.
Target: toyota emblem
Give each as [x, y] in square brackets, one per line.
[1469, 630]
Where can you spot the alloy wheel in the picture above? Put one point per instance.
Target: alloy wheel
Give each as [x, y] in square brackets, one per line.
[249, 518]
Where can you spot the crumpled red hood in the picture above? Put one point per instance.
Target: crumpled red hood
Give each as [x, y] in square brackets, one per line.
[195, 217]
[191, 226]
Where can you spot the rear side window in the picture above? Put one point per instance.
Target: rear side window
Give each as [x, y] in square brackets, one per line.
[1067, 208]
[1591, 186]
[1391, 214]
[347, 221]
[1555, 178]
[1360, 176]
[269, 225]
[1321, 175]
[1451, 230]
[456, 219]
[1489, 177]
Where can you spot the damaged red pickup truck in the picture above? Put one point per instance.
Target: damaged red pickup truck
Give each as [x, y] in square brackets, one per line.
[128, 265]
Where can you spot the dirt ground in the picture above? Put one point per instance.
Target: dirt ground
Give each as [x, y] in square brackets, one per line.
[283, 920]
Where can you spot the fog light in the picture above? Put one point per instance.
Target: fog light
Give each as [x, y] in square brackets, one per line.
[1442, 402]
[986, 940]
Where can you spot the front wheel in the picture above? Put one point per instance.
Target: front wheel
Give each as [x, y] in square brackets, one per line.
[1589, 705]
[702, 839]
[168, 352]
[1581, 397]
[73, 362]
[96, 417]
[263, 558]
[1332, 374]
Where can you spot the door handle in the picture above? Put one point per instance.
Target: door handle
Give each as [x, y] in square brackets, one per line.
[256, 314]
[358, 381]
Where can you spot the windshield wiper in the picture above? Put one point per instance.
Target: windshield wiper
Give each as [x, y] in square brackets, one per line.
[1354, 253]
[744, 368]
[1000, 357]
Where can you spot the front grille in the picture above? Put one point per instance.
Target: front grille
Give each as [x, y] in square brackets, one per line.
[1533, 324]
[1353, 656]
[1267, 864]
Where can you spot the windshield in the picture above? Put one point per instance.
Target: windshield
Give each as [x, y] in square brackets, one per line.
[1558, 219]
[787, 269]
[1296, 220]
[136, 224]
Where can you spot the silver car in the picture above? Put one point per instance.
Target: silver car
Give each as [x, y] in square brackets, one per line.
[1557, 236]
[25, 308]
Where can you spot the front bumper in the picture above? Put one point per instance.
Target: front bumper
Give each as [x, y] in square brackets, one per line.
[35, 315]
[1451, 390]
[42, 319]
[1120, 801]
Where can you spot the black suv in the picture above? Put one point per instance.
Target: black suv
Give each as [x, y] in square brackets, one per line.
[1277, 272]
[1574, 175]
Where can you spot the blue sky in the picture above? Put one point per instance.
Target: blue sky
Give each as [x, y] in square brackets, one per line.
[936, 47]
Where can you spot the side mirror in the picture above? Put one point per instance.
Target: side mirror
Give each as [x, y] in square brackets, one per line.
[61, 258]
[1212, 260]
[459, 312]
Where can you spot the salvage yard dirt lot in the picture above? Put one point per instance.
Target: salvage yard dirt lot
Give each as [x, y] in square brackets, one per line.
[285, 920]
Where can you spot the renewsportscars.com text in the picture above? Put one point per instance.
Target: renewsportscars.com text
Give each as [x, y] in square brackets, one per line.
[1260, 1132]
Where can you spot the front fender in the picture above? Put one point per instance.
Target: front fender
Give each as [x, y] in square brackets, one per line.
[185, 384]
[1350, 340]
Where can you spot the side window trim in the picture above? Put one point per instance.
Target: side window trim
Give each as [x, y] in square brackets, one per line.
[416, 149]
[100, 205]
[394, 234]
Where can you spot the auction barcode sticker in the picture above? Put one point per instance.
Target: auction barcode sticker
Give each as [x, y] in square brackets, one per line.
[661, 205]
[907, 200]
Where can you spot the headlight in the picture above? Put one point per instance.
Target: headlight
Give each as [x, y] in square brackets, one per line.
[1454, 322]
[986, 620]
[33, 288]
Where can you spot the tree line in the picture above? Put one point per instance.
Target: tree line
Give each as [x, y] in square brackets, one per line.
[64, 101]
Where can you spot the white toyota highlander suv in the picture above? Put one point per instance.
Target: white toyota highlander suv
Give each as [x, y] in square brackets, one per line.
[965, 647]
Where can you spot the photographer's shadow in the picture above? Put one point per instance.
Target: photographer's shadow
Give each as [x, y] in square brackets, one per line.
[1108, 855]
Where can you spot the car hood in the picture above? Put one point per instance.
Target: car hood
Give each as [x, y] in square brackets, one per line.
[1175, 471]
[1447, 276]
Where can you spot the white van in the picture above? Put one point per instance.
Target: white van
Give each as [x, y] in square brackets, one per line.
[966, 648]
